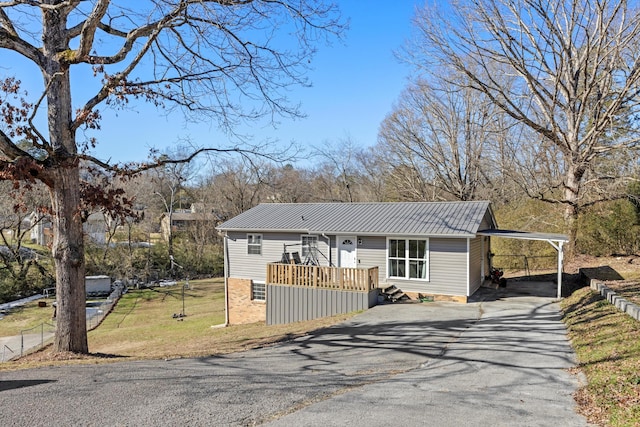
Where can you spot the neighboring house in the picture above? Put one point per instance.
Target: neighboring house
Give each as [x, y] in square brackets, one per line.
[182, 219]
[41, 229]
[428, 248]
[95, 228]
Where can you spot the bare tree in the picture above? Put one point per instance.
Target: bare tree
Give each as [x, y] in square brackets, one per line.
[442, 133]
[208, 57]
[284, 184]
[169, 182]
[575, 70]
[374, 171]
[339, 177]
[235, 186]
[21, 212]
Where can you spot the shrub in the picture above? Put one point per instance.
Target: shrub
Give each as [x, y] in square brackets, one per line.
[609, 228]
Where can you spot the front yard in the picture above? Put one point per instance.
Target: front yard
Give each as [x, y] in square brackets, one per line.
[143, 326]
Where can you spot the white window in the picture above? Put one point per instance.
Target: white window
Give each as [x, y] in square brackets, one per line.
[408, 258]
[254, 244]
[309, 246]
[258, 291]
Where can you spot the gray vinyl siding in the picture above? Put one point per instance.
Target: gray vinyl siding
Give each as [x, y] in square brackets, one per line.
[475, 264]
[333, 250]
[447, 269]
[448, 266]
[372, 252]
[250, 266]
[487, 221]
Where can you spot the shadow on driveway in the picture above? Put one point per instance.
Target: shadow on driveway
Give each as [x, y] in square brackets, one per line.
[501, 360]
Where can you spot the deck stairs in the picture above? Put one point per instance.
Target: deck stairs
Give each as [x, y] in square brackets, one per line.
[393, 294]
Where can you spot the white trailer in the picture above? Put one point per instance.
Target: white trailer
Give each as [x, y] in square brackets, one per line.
[97, 285]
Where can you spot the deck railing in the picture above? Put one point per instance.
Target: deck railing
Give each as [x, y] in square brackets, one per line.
[314, 276]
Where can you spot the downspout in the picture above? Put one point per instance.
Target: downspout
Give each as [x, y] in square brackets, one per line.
[483, 260]
[468, 267]
[225, 261]
[329, 245]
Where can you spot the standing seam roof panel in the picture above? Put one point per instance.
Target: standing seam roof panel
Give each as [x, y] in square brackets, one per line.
[411, 218]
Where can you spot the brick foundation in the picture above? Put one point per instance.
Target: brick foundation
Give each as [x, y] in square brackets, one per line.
[241, 308]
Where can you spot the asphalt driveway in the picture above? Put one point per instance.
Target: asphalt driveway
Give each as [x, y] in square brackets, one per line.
[496, 361]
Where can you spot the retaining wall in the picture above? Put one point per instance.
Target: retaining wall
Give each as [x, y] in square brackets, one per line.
[620, 303]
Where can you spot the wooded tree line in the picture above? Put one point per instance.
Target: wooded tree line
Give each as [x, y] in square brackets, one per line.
[339, 172]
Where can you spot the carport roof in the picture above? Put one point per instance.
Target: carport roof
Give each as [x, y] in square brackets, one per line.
[556, 240]
[524, 235]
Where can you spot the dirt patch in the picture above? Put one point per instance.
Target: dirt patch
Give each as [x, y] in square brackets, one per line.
[627, 266]
[620, 273]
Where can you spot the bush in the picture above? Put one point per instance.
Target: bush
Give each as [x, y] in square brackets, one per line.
[33, 282]
[153, 263]
[609, 228]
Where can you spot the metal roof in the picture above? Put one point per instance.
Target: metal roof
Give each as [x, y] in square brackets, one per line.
[402, 218]
[524, 235]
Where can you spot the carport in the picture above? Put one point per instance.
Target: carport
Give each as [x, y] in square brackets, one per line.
[555, 240]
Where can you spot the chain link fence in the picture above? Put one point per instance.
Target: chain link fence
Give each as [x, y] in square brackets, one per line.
[98, 311]
[524, 263]
[38, 336]
[35, 337]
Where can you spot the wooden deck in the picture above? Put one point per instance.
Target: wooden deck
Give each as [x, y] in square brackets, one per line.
[320, 277]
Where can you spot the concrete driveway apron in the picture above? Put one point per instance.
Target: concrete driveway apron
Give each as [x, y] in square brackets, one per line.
[491, 362]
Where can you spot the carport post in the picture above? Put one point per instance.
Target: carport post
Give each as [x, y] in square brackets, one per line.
[558, 247]
[560, 268]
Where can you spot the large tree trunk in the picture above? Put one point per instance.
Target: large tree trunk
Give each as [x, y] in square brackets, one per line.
[64, 188]
[572, 185]
[68, 255]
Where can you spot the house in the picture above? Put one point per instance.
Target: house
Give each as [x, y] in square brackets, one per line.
[287, 262]
[41, 229]
[182, 219]
[95, 228]
[428, 248]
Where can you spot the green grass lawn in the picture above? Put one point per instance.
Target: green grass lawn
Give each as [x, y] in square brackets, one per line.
[142, 326]
[26, 318]
[607, 343]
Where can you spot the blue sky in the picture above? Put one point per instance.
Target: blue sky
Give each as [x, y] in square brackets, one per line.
[354, 85]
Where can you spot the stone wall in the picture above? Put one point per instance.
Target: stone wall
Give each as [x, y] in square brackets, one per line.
[241, 308]
[619, 302]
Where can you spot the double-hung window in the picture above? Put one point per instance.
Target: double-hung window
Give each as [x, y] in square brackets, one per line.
[254, 244]
[408, 258]
[309, 246]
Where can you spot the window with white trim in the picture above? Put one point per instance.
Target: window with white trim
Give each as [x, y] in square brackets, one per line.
[309, 245]
[408, 258]
[258, 291]
[254, 244]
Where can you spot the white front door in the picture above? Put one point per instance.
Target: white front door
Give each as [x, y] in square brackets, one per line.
[347, 252]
